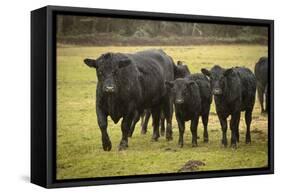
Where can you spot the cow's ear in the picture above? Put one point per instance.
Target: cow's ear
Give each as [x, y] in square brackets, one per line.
[228, 72]
[169, 84]
[190, 83]
[124, 63]
[91, 62]
[179, 63]
[206, 72]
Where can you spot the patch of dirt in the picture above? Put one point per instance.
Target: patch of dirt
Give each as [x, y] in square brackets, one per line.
[170, 150]
[257, 131]
[191, 166]
[65, 166]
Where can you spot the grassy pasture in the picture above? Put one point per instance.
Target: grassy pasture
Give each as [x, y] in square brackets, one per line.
[79, 149]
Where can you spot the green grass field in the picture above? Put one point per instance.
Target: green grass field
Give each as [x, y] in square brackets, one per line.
[79, 149]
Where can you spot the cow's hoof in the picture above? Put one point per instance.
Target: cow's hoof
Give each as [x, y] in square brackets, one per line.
[224, 143]
[169, 138]
[180, 144]
[234, 146]
[248, 138]
[248, 141]
[162, 133]
[143, 132]
[206, 140]
[194, 145]
[107, 146]
[123, 146]
[154, 139]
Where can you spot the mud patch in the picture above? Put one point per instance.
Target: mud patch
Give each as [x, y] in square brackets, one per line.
[257, 131]
[191, 166]
[260, 134]
[65, 165]
[170, 150]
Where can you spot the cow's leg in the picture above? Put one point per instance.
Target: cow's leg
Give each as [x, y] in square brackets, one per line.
[248, 119]
[193, 128]
[102, 122]
[145, 123]
[223, 122]
[260, 96]
[156, 118]
[168, 113]
[266, 98]
[125, 127]
[234, 125]
[205, 119]
[134, 122]
[142, 118]
[237, 131]
[162, 124]
[181, 126]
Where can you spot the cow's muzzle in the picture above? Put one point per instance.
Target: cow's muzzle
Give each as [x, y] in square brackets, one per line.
[109, 89]
[179, 101]
[217, 91]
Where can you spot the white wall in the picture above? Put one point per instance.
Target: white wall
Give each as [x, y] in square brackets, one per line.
[15, 94]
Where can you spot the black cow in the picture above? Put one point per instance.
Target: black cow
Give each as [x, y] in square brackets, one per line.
[234, 91]
[192, 98]
[261, 72]
[180, 71]
[128, 84]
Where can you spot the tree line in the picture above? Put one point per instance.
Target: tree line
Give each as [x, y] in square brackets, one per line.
[81, 28]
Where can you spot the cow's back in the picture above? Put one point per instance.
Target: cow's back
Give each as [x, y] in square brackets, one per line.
[154, 67]
[154, 60]
[248, 86]
[261, 71]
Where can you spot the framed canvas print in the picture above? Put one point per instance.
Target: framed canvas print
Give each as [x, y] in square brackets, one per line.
[125, 96]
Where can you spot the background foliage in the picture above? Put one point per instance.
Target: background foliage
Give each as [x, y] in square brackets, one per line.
[113, 31]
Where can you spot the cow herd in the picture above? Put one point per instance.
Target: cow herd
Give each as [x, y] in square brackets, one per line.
[149, 84]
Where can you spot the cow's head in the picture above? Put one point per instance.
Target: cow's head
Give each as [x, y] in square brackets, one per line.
[181, 70]
[108, 67]
[218, 78]
[181, 89]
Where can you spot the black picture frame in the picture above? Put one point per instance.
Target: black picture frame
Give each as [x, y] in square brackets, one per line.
[43, 96]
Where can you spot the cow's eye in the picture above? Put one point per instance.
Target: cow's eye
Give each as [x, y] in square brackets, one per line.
[114, 72]
[100, 73]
